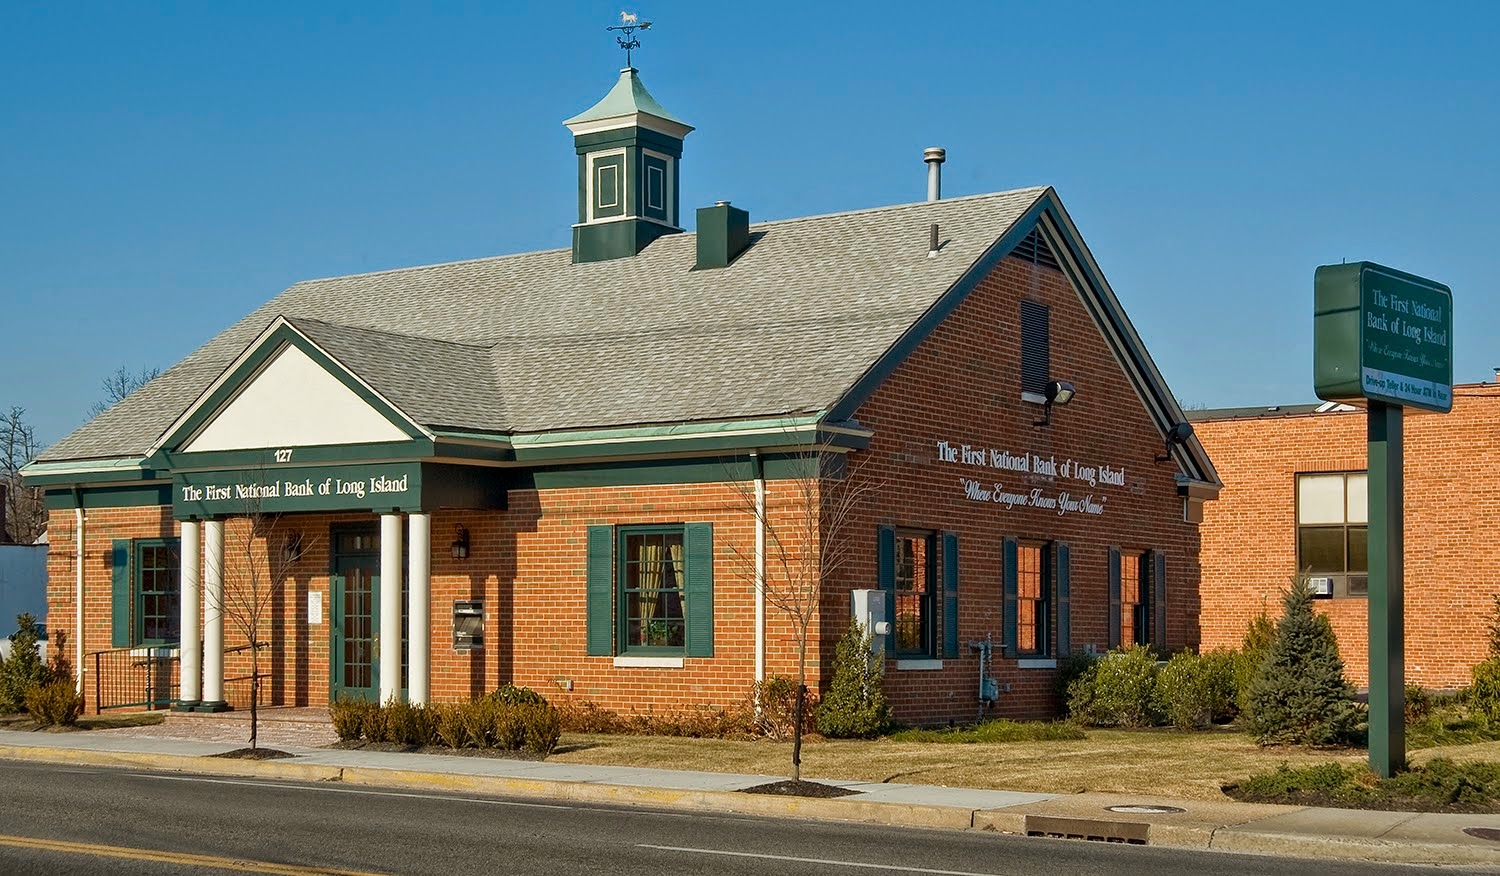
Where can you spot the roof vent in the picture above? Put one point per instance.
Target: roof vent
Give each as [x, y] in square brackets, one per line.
[1034, 249]
[723, 233]
[935, 156]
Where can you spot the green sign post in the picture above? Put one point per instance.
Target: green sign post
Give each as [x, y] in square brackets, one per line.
[1383, 338]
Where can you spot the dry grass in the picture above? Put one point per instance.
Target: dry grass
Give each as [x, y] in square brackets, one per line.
[1149, 762]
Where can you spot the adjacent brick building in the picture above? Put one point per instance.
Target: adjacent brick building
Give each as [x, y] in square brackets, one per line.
[580, 463]
[1277, 516]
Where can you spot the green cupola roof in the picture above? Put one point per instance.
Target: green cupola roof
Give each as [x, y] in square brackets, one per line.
[628, 103]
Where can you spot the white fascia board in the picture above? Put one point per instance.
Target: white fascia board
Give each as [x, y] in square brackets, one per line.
[632, 120]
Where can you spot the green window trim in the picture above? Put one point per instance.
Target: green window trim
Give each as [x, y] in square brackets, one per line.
[649, 590]
[145, 591]
[915, 584]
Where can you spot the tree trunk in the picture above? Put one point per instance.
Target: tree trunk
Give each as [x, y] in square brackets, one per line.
[801, 703]
[254, 693]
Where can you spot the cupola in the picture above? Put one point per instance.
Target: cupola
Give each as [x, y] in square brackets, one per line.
[628, 147]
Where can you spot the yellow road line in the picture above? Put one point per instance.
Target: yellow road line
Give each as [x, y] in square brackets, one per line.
[239, 864]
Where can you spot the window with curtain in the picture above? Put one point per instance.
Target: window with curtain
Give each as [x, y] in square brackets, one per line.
[1333, 533]
[653, 566]
[915, 573]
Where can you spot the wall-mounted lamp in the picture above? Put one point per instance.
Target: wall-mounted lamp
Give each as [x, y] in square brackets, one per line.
[460, 543]
[1059, 392]
[1178, 434]
[291, 549]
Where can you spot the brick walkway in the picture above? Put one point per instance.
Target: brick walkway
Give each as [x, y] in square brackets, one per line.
[277, 726]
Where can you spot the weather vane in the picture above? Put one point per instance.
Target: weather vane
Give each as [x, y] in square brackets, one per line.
[629, 24]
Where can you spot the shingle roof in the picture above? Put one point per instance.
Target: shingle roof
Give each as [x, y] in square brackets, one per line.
[531, 342]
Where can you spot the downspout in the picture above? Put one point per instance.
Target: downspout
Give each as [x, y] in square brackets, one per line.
[78, 592]
[760, 566]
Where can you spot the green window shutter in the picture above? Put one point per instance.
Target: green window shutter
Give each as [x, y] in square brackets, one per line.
[950, 594]
[1008, 586]
[1114, 598]
[122, 598]
[1159, 598]
[699, 589]
[599, 616]
[886, 574]
[1064, 588]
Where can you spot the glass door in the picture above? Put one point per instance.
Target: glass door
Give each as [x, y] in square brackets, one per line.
[355, 622]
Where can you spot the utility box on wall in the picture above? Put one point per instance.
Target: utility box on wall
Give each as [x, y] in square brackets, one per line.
[869, 610]
[468, 625]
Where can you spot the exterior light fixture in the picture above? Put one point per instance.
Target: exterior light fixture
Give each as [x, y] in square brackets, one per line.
[1059, 392]
[1177, 435]
[460, 543]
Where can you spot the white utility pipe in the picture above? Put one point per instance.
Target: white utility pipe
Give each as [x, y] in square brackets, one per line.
[419, 612]
[78, 595]
[760, 568]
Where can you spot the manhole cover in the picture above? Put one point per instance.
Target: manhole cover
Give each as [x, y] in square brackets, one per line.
[1484, 833]
[1154, 810]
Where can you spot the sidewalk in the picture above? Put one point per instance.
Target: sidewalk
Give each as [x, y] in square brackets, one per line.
[1394, 837]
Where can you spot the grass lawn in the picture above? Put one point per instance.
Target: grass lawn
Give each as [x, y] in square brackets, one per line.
[23, 721]
[1149, 762]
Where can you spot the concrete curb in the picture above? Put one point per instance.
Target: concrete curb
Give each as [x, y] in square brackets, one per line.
[1240, 837]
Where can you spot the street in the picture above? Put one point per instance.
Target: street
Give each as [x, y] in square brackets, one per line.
[74, 820]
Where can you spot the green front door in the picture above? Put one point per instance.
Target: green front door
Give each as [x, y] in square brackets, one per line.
[355, 622]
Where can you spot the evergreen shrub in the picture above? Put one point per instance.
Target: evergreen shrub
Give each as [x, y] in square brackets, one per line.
[25, 669]
[1069, 669]
[855, 706]
[55, 703]
[348, 718]
[1484, 693]
[1195, 691]
[1257, 643]
[515, 695]
[1120, 690]
[1300, 696]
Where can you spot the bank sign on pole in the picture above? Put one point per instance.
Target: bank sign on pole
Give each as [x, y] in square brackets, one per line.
[1384, 339]
[1382, 335]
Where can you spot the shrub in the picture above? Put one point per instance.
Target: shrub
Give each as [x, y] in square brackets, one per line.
[1194, 691]
[55, 703]
[508, 722]
[1484, 693]
[997, 730]
[543, 728]
[855, 705]
[478, 720]
[1257, 643]
[1418, 703]
[24, 670]
[517, 695]
[1299, 696]
[448, 725]
[1119, 690]
[375, 724]
[348, 718]
[407, 724]
[774, 707]
[1069, 669]
[587, 717]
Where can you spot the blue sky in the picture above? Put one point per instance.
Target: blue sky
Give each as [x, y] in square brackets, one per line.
[166, 168]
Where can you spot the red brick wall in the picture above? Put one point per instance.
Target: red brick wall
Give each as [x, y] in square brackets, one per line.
[1452, 567]
[963, 385]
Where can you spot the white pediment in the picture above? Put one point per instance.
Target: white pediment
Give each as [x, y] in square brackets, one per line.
[293, 402]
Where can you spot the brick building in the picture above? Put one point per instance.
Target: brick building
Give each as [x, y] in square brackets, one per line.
[550, 468]
[1294, 500]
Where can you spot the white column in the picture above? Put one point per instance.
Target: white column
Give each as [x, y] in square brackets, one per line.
[213, 613]
[390, 607]
[190, 655]
[419, 612]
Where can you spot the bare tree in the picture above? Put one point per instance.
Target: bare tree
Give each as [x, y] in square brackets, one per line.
[120, 384]
[807, 523]
[25, 514]
[260, 553]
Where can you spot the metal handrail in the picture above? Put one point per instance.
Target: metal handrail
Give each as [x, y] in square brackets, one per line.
[144, 675]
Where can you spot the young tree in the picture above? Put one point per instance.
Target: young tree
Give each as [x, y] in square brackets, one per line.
[120, 384]
[1300, 696]
[260, 553]
[25, 515]
[807, 525]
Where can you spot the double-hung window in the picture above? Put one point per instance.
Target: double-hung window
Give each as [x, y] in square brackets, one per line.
[1134, 598]
[1137, 598]
[916, 567]
[1333, 533]
[1033, 600]
[146, 592]
[650, 590]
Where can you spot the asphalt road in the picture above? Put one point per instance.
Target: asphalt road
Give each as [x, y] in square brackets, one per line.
[74, 820]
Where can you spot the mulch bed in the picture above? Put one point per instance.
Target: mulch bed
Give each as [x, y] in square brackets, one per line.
[255, 754]
[799, 788]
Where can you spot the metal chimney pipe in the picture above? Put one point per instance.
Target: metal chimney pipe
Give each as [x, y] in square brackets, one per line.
[935, 156]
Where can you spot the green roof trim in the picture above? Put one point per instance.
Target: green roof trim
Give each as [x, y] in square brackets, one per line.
[629, 96]
[87, 471]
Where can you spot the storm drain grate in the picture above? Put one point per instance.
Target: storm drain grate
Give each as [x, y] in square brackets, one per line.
[1093, 829]
[1484, 833]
